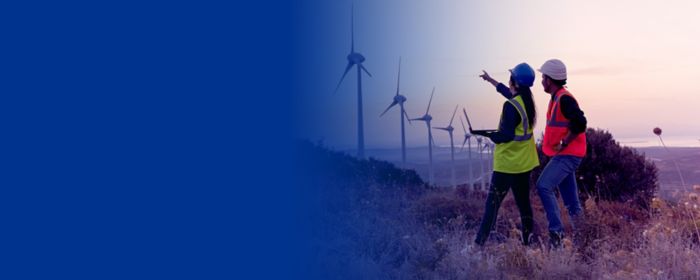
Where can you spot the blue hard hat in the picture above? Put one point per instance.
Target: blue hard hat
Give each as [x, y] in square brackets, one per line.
[523, 74]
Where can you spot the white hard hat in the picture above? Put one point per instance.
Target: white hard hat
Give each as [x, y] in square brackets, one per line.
[554, 68]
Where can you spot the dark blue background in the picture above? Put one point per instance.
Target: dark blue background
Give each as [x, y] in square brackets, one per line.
[147, 140]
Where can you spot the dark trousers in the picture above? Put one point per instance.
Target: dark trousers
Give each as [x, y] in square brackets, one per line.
[500, 183]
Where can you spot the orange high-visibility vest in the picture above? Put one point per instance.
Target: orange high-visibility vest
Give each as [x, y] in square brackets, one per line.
[557, 128]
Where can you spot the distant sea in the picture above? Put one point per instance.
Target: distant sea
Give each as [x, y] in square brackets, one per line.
[686, 149]
[654, 141]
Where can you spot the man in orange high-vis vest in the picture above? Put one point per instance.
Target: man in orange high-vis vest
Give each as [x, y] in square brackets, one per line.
[564, 141]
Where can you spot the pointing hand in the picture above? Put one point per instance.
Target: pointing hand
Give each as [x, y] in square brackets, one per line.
[485, 76]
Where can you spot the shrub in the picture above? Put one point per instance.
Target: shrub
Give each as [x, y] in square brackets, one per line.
[611, 172]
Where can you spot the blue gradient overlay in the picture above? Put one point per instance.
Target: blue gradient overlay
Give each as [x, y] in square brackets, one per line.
[147, 140]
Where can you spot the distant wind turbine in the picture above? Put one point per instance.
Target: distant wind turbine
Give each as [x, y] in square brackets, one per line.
[427, 118]
[355, 58]
[488, 146]
[467, 138]
[449, 130]
[492, 147]
[400, 99]
[479, 140]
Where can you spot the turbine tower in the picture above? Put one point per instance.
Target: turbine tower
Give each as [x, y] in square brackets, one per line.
[400, 99]
[467, 138]
[449, 130]
[479, 140]
[488, 146]
[491, 146]
[355, 58]
[427, 118]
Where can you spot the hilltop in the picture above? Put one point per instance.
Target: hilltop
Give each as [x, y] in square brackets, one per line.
[376, 221]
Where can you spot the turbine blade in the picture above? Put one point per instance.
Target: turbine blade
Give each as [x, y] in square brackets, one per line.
[453, 115]
[467, 117]
[463, 128]
[441, 128]
[365, 69]
[406, 115]
[387, 108]
[398, 81]
[352, 29]
[463, 143]
[347, 69]
[431, 101]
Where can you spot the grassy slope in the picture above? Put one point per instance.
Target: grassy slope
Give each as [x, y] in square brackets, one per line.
[374, 221]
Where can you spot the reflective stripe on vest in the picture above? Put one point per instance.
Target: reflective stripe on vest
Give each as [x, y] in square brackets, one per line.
[558, 127]
[519, 155]
[552, 120]
[523, 121]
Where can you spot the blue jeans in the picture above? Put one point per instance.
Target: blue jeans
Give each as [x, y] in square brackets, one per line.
[560, 173]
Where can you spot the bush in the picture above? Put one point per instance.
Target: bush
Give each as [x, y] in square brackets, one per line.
[611, 172]
[374, 221]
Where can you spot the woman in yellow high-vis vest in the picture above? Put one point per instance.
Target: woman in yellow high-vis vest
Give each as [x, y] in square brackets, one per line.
[515, 155]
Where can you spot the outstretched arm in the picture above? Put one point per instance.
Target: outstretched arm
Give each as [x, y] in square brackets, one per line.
[501, 88]
[488, 78]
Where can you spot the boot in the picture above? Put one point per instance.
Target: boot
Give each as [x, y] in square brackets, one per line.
[529, 239]
[555, 239]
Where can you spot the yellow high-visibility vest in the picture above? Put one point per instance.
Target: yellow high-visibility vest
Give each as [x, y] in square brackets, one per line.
[519, 155]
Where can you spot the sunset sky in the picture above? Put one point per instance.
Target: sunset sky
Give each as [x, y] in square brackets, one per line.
[633, 65]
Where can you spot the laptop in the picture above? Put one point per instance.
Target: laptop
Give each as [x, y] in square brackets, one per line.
[482, 131]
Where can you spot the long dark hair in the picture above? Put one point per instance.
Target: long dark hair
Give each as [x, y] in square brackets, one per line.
[526, 94]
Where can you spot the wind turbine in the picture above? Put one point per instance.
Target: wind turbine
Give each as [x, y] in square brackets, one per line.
[400, 99]
[488, 146]
[467, 138]
[355, 58]
[427, 118]
[492, 146]
[449, 130]
[479, 140]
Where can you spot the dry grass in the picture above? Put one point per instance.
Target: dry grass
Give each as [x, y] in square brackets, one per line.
[433, 239]
[617, 242]
[371, 229]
